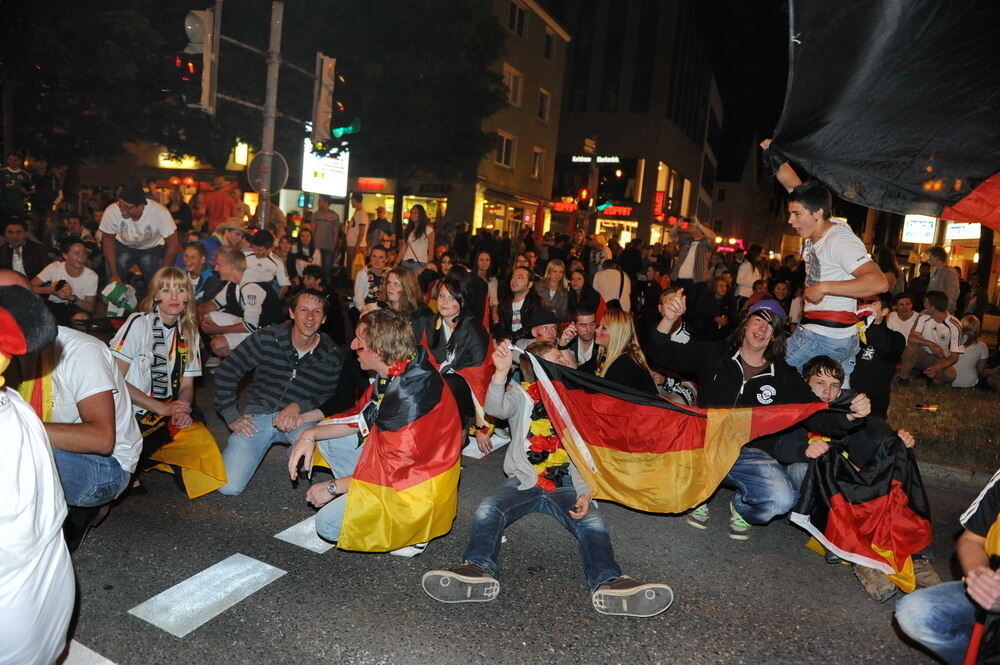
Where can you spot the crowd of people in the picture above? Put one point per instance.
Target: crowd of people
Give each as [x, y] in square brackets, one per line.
[447, 325]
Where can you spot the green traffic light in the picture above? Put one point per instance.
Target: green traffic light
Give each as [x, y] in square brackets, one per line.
[605, 205]
[353, 128]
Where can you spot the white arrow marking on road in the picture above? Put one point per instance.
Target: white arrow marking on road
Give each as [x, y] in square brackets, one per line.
[186, 606]
[304, 535]
[81, 655]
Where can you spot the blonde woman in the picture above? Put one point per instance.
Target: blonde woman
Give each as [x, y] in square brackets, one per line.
[553, 289]
[971, 363]
[157, 351]
[622, 361]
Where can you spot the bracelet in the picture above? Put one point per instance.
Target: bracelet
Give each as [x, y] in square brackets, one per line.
[309, 439]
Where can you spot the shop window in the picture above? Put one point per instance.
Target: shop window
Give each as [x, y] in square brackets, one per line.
[506, 146]
[514, 80]
[517, 17]
[544, 101]
[537, 163]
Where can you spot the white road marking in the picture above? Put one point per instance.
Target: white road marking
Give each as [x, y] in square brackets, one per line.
[200, 598]
[81, 655]
[304, 535]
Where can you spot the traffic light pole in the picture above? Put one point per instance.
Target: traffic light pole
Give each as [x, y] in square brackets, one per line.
[270, 111]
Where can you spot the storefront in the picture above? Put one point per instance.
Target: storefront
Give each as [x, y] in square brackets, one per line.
[502, 212]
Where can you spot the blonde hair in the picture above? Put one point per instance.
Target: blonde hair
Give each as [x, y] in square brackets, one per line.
[232, 256]
[971, 329]
[410, 299]
[539, 349]
[187, 321]
[548, 270]
[621, 340]
[389, 334]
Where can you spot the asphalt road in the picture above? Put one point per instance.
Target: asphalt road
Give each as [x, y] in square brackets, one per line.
[766, 600]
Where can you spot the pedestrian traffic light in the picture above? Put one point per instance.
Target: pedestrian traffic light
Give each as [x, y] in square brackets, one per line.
[201, 59]
[583, 199]
[323, 91]
[188, 74]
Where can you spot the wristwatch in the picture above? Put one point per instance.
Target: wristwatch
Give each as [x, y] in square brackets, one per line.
[331, 487]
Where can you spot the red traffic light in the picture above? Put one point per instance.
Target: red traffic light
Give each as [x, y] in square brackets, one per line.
[584, 194]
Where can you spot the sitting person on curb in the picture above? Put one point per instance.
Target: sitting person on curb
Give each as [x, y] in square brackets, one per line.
[70, 285]
[75, 388]
[410, 417]
[748, 369]
[934, 344]
[295, 366]
[158, 352]
[865, 446]
[37, 589]
[239, 308]
[204, 281]
[541, 480]
[941, 617]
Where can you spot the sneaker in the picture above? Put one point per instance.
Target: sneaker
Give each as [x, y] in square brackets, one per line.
[698, 518]
[924, 571]
[464, 583]
[410, 551]
[624, 596]
[875, 582]
[739, 528]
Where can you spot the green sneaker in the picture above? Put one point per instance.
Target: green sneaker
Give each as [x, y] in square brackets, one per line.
[698, 518]
[739, 528]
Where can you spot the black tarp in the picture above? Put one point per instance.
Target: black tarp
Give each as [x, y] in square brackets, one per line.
[895, 104]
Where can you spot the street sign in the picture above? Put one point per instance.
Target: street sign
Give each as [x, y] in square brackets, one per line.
[259, 179]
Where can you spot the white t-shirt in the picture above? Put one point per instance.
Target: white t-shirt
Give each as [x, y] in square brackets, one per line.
[899, 325]
[36, 575]
[84, 286]
[85, 367]
[418, 249]
[150, 230]
[133, 343]
[686, 271]
[745, 277]
[833, 259]
[947, 334]
[267, 269]
[515, 315]
[358, 219]
[965, 368]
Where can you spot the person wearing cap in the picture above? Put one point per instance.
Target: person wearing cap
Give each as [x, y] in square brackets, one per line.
[746, 370]
[230, 233]
[137, 231]
[263, 267]
[218, 205]
[542, 325]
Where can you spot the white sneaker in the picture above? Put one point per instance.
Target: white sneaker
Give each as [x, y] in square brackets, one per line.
[410, 551]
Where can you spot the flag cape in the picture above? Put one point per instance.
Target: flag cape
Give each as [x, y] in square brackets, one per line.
[877, 517]
[404, 489]
[644, 451]
[894, 104]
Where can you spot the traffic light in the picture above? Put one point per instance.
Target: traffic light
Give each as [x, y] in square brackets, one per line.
[323, 91]
[583, 199]
[198, 65]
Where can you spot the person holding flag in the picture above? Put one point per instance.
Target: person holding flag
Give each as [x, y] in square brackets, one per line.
[746, 370]
[542, 479]
[394, 456]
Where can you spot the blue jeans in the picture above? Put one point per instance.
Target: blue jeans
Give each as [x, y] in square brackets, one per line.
[243, 454]
[342, 454]
[89, 481]
[805, 345]
[939, 617]
[763, 489]
[508, 504]
[148, 260]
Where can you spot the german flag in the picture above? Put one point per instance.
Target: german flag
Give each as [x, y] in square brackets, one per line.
[644, 451]
[404, 489]
[878, 516]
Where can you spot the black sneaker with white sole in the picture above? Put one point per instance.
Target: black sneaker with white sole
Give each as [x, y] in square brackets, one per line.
[464, 583]
[627, 597]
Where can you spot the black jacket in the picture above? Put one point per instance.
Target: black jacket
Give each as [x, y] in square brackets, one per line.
[33, 255]
[502, 329]
[875, 365]
[860, 442]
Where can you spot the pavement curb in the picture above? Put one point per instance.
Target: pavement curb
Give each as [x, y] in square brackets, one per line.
[953, 478]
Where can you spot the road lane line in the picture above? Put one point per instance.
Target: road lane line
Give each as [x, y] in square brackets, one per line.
[304, 535]
[81, 655]
[186, 606]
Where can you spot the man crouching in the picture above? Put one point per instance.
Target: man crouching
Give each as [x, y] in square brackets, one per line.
[541, 479]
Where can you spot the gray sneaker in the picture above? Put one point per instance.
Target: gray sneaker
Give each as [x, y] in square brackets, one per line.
[739, 528]
[625, 596]
[698, 518]
[464, 583]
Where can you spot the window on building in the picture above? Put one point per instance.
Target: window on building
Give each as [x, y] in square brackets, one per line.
[537, 163]
[721, 195]
[516, 18]
[544, 101]
[514, 80]
[550, 44]
[506, 146]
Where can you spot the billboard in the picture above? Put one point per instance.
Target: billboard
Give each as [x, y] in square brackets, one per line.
[962, 231]
[919, 229]
[324, 175]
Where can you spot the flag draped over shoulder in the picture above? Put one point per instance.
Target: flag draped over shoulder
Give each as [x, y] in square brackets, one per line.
[894, 105]
[876, 517]
[404, 489]
[644, 451]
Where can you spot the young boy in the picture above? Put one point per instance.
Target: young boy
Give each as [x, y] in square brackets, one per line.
[542, 479]
[880, 350]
